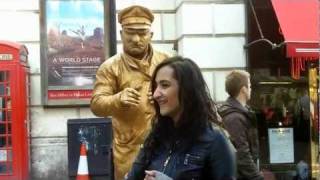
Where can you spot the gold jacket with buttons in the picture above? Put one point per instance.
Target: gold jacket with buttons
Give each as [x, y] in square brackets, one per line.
[130, 124]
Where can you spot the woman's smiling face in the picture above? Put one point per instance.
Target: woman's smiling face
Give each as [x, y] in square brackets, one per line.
[166, 93]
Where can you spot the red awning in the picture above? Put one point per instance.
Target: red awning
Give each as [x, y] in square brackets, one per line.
[299, 22]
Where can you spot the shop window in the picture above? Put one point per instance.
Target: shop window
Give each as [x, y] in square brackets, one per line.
[286, 107]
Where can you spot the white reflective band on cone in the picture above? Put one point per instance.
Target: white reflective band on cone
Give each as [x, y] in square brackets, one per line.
[83, 166]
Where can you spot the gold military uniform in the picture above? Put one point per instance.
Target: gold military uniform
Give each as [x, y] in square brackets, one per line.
[130, 124]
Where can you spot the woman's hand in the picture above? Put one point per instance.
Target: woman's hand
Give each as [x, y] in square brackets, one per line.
[156, 175]
[150, 175]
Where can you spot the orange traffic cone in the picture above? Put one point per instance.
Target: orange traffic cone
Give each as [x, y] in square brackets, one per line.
[83, 173]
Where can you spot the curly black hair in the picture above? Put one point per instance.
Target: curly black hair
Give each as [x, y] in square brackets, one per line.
[199, 109]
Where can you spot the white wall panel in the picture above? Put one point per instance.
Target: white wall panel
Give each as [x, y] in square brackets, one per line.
[178, 2]
[49, 158]
[228, 52]
[214, 52]
[151, 4]
[51, 121]
[208, 77]
[118, 28]
[179, 20]
[35, 90]
[198, 49]
[195, 19]
[156, 27]
[17, 5]
[219, 87]
[121, 4]
[86, 113]
[229, 19]
[157, 4]
[34, 57]
[119, 48]
[19, 26]
[166, 48]
[169, 26]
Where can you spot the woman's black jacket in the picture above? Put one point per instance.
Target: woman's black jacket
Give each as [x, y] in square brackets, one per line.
[211, 157]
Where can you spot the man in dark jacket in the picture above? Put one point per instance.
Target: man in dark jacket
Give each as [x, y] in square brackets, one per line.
[240, 122]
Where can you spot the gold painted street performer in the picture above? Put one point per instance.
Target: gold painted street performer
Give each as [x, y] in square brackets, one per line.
[122, 87]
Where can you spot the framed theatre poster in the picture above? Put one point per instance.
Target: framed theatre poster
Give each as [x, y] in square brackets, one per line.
[76, 38]
[281, 145]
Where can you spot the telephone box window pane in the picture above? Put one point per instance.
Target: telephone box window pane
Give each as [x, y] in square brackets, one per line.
[2, 141]
[3, 155]
[2, 105]
[9, 155]
[4, 76]
[8, 118]
[8, 90]
[2, 89]
[8, 103]
[7, 76]
[9, 167]
[2, 115]
[6, 168]
[9, 141]
[5, 101]
[9, 128]
[3, 168]
[3, 128]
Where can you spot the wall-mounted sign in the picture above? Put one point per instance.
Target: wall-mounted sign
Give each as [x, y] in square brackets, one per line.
[281, 145]
[76, 40]
[6, 57]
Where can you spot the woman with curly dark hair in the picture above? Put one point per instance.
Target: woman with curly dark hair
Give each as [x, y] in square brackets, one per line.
[185, 141]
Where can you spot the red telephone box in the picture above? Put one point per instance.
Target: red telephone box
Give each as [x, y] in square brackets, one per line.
[14, 111]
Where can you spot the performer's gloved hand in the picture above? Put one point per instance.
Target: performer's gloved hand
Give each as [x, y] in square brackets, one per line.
[129, 97]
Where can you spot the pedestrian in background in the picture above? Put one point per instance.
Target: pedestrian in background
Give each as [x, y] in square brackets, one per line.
[241, 124]
[185, 142]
